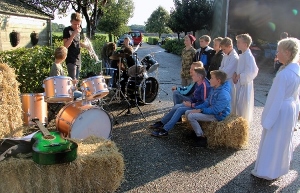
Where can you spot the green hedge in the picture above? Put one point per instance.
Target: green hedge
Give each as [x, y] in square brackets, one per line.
[153, 40]
[174, 46]
[32, 65]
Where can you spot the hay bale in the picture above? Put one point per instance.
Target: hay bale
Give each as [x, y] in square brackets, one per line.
[99, 167]
[11, 108]
[232, 132]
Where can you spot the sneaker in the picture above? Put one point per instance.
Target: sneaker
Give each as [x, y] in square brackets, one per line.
[191, 135]
[200, 142]
[157, 125]
[160, 133]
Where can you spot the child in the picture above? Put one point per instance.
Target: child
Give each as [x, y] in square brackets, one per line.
[217, 56]
[201, 92]
[229, 65]
[280, 115]
[181, 94]
[215, 108]
[204, 53]
[60, 55]
[187, 55]
[243, 78]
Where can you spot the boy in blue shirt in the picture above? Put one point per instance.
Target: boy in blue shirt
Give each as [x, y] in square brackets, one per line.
[215, 108]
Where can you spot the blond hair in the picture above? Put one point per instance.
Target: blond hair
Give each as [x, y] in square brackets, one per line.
[60, 53]
[198, 64]
[218, 39]
[226, 42]
[291, 45]
[245, 38]
[200, 71]
[76, 17]
[220, 75]
[205, 38]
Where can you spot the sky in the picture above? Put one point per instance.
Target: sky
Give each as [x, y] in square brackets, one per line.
[142, 11]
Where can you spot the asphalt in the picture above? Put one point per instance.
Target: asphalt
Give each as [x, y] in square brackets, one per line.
[171, 164]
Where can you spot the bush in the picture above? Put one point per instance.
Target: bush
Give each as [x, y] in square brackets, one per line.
[32, 65]
[152, 40]
[174, 46]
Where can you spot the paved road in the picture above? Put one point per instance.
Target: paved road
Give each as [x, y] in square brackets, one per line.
[171, 164]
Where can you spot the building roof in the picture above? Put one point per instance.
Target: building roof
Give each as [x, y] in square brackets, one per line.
[20, 8]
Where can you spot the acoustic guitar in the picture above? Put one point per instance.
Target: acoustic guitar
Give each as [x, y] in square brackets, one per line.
[51, 148]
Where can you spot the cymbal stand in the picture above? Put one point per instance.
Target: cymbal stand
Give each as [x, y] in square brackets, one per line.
[118, 90]
[135, 92]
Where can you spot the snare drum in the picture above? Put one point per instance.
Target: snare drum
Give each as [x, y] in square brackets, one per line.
[112, 72]
[58, 89]
[34, 106]
[78, 120]
[94, 87]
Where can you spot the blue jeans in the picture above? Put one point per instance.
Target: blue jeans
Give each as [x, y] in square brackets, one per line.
[179, 98]
[77, 94]
[170, 119]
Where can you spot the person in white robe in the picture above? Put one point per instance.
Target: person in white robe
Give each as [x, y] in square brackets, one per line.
[229, 66]
[246, 71]
[280, 115]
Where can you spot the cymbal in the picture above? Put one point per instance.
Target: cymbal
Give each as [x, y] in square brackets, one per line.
[107, 77]
[118, 56]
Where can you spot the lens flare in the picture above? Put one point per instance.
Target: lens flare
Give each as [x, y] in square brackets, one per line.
[295, 11]
[272, 26]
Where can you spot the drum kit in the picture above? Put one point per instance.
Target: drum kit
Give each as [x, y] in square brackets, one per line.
[78, 118]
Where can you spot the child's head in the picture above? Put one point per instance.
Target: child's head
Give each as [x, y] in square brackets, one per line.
[189, 40]
[226, 45]
[218, 77]
[288, 50]
[217, 42]
[128, 50]
[60, 54]
[75, 20]
[204, 41]
[284, 35]
[195, 65]
[199, 74]
[243, 41]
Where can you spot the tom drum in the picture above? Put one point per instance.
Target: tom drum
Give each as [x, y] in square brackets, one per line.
[58, 89]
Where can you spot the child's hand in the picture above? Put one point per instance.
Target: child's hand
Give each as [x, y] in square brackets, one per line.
[174, 88]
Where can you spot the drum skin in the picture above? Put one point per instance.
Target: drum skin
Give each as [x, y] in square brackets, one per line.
[78, 120]
[94, 87]
[58, 89]
[34, 106]
[145, 90]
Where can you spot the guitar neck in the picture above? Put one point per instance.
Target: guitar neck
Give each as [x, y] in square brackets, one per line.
[44, 131]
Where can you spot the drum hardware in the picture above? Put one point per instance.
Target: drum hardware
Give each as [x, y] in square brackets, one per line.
[135, 92]
[118, 89]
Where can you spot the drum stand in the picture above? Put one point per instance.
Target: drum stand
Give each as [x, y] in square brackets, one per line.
[118, 90]
[135, 93]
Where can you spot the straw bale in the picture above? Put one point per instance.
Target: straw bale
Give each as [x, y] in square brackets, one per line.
[232, 132]
[99, 167]
[10, 103]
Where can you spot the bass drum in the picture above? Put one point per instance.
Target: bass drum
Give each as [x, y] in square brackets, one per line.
[78, 120]
[145, 90]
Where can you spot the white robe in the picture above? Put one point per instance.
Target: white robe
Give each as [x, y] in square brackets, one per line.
[229, 65]
[278, 120]
[247, 69]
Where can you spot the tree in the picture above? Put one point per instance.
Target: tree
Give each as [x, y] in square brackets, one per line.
[91, 9]
[115, 18]
[157, 22]
[174, 23]
[193, 15]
